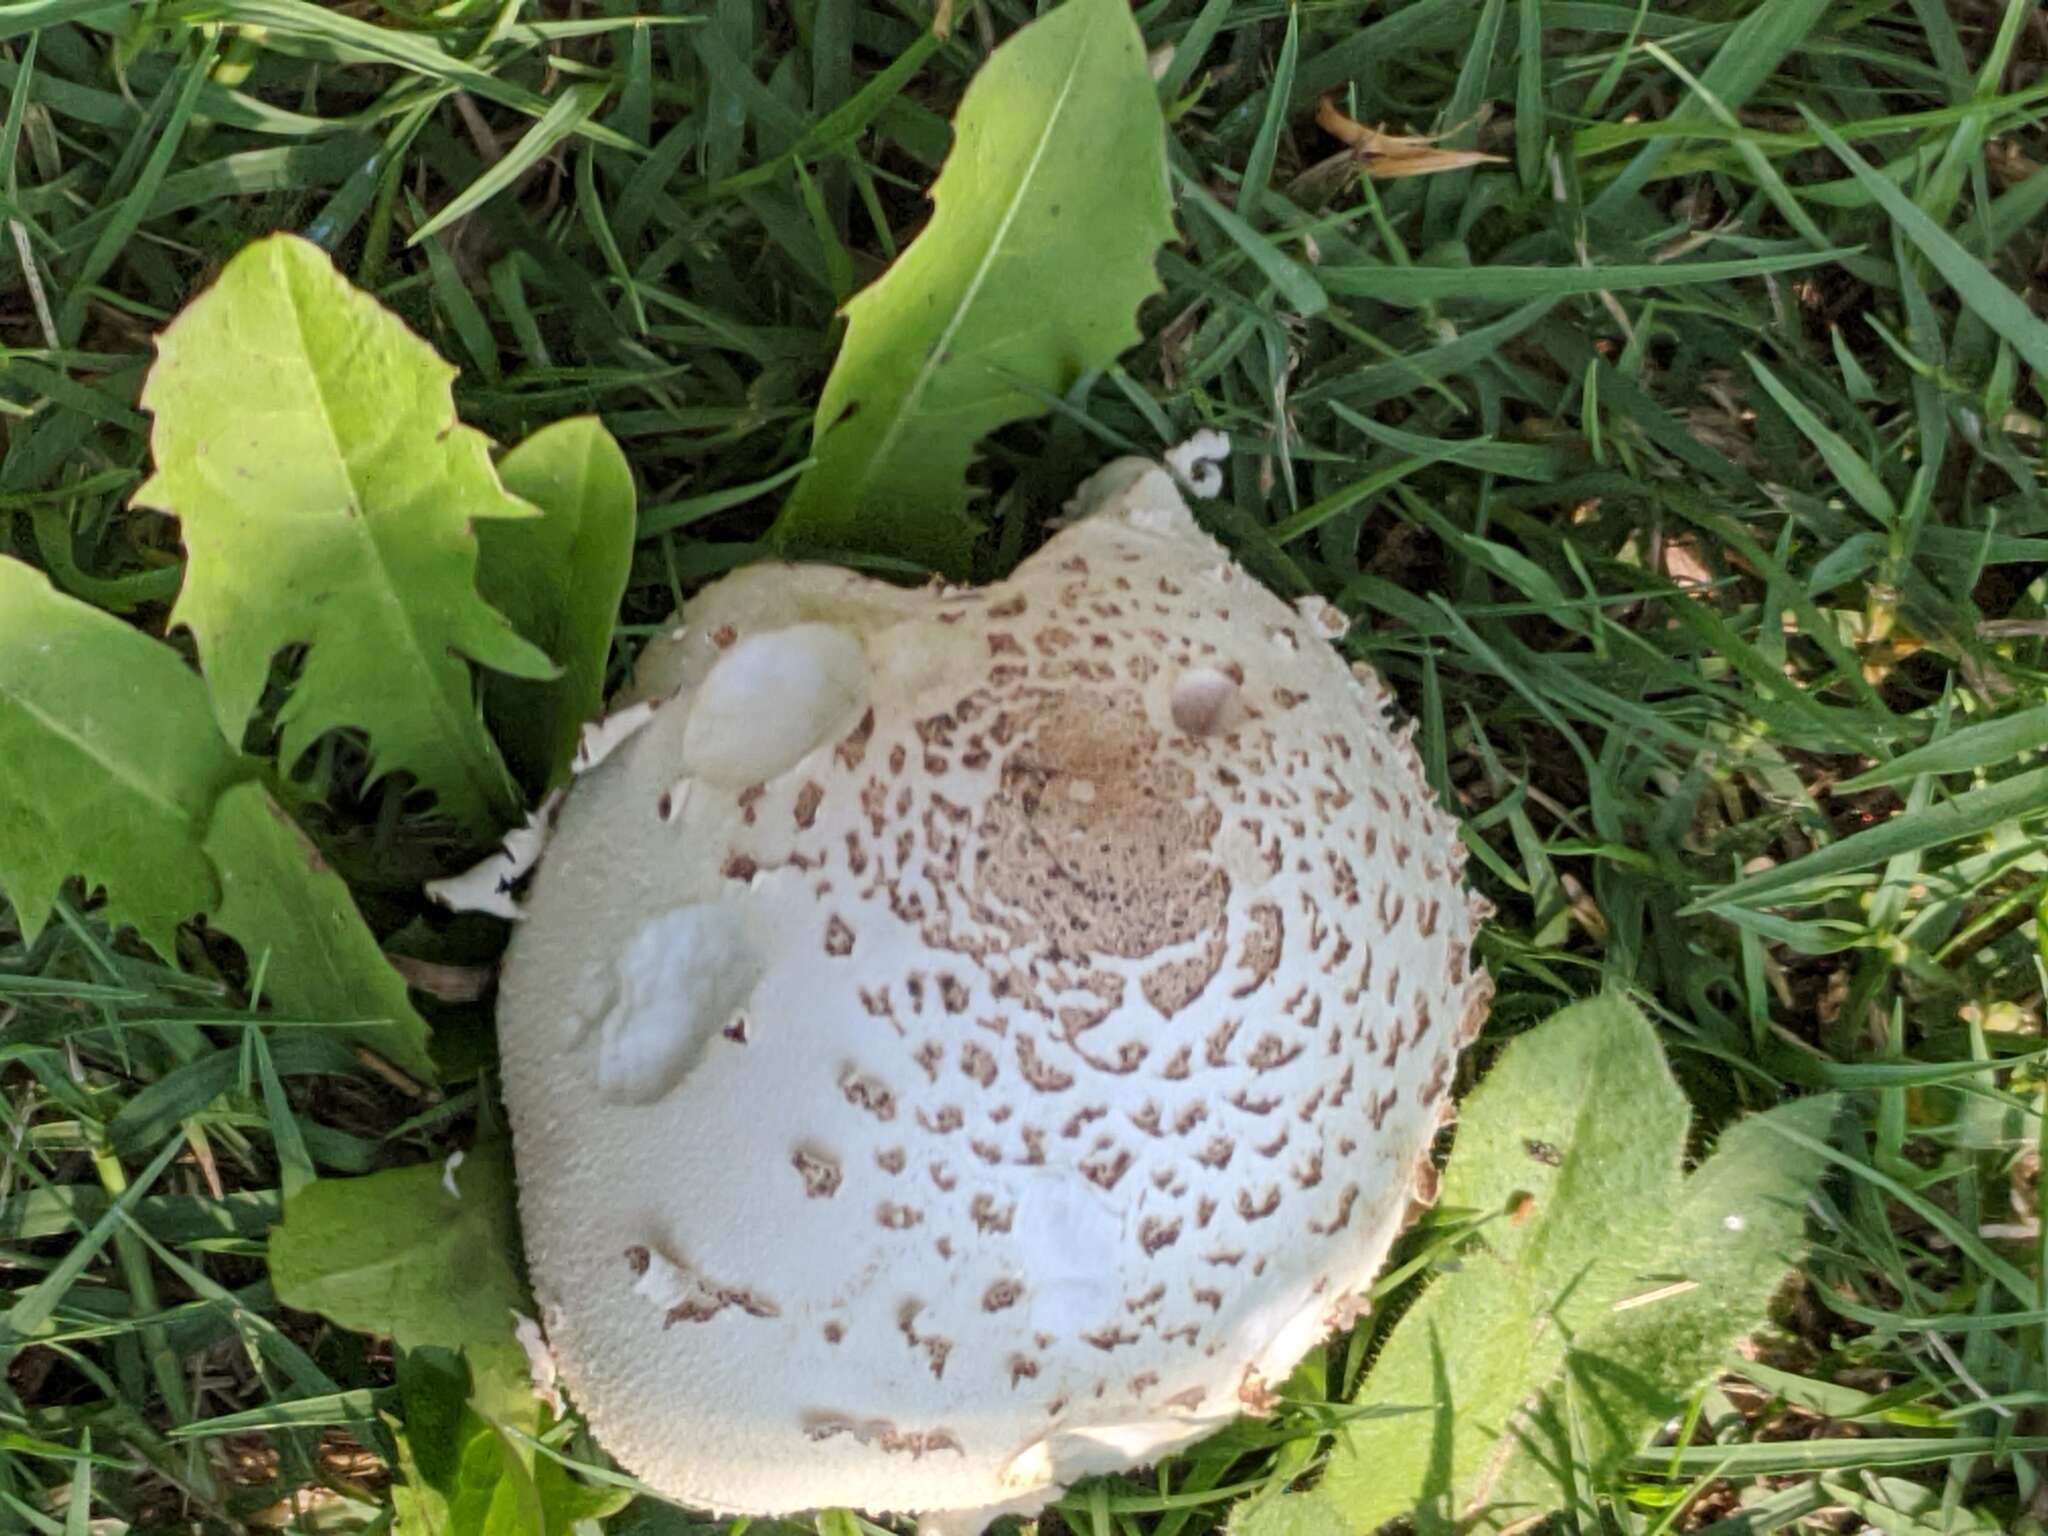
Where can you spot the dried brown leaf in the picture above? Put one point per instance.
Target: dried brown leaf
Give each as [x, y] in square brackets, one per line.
[1387, 156]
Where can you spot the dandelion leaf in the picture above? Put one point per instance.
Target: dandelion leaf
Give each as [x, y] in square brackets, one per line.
[297, 923]
[1046, 221]
[111, 764]
[328, 498]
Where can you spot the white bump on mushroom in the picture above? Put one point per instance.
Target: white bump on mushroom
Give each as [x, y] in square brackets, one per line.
[1088, 1452]
[681, 979]
[1067, 1228]
[1030, 1031]
[1154, 503]
[1205, 702]
[770, 699]
[1139, 491]
[660, 1280]
[1105, 490]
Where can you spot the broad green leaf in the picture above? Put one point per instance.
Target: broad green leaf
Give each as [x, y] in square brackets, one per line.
[1735, 1229]
[1276, 1512]
[559, 578]
[433, 1390]
[397, 1253]
[1046, 220]
[279, 898]
[564, 1499]
[1567, 1330]
[308, 444]
[1578, 1120]
[464, 1477]
[112, 764]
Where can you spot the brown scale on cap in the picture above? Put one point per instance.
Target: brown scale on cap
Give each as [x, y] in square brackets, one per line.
[1100, 927]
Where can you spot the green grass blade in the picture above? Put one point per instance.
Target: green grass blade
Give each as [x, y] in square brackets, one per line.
[2023, 796]
[2003, 310]
[570, 111]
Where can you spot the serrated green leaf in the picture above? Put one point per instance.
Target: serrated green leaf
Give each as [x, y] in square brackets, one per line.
[396, 1253]
[279, 898]
[112, 760]
[308, 444]
[1058, 170]
[433, 1390]
[1737, 1225]
[559, 578]
[564, 1499]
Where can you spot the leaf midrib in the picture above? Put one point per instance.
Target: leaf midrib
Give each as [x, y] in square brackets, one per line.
[144, 788]
[386, 589]
[928, 369]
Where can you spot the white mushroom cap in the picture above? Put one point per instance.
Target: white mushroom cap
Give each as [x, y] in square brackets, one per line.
[969, 1040]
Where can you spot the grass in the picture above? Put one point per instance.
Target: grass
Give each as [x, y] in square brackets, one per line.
[1682, 469]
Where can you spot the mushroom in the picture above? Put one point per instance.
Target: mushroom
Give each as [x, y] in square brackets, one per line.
[966, 1040]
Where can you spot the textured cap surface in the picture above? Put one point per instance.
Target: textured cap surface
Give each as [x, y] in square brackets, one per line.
[971, 1039]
